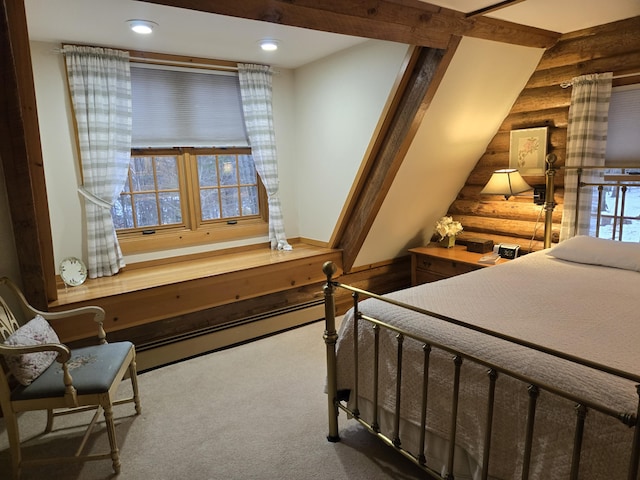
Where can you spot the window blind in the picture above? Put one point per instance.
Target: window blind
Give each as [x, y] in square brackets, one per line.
[623, 137]
[177, 107]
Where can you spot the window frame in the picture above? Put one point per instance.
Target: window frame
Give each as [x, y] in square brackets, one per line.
[176, 238]
[193, 231]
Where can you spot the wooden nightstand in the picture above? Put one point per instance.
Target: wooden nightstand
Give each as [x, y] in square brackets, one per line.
[433, 262]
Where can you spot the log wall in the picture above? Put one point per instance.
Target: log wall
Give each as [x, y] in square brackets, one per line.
[543, 102]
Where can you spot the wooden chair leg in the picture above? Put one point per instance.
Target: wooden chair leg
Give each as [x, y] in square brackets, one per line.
[111, 432]
[13, 432]
[133, 375]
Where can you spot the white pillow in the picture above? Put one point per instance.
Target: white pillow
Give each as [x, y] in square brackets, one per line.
[27, 367]
[599, 251]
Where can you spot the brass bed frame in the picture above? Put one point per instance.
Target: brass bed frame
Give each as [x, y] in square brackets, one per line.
[335, 402]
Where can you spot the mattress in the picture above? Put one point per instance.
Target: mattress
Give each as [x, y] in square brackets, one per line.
[588, 311]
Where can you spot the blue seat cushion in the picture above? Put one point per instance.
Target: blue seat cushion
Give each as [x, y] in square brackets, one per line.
[93, 370]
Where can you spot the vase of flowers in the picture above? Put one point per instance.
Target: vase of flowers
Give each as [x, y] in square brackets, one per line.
[447, 229]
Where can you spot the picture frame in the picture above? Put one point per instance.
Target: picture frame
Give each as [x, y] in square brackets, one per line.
[528, 150]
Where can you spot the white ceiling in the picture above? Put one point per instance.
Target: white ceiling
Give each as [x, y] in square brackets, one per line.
[185, 32]
[561, 16]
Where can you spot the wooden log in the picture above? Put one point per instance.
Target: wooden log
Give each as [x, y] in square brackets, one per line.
[501, 141]
[481, 175]
[472, 192]
[501, 209]
[507, 227]
[627, 62]
[592, 43]
[543, 98]
[554, 117]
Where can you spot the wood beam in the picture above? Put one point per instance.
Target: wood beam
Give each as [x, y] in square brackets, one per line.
[21, 155]
[412, 22]
[423, 75]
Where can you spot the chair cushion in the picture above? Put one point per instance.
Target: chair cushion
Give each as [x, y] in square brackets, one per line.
[93, 370]
[27, 367]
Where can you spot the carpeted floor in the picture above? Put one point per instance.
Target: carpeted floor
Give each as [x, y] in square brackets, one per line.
[256, 411]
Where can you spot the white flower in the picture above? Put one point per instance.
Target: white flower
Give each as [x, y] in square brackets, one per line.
[447, 227]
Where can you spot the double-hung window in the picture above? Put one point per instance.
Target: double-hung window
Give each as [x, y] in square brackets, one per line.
[192, 179]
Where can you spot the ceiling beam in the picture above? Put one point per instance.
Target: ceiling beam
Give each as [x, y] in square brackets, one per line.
[412, 22]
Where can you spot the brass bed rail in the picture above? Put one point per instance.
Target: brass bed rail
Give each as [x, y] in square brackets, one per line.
[627, 177]
[494, 371]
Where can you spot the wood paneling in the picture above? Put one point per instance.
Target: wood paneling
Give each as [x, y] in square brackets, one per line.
[143, 296]
[22, 158]
[381, 279]
[613, 48]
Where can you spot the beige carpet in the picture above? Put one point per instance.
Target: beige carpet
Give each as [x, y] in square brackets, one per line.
[256, 411]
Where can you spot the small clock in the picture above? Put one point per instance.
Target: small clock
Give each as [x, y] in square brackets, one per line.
[73, 271]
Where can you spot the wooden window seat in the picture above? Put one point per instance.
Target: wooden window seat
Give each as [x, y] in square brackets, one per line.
[142, 294]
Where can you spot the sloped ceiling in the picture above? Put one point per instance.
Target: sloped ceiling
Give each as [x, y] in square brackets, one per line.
[480, 85]
[558, 16]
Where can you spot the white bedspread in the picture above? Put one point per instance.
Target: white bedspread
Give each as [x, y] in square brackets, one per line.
[588, 311]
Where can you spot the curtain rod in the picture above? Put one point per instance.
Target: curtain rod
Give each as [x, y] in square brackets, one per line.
[615, 77]
[137, 56]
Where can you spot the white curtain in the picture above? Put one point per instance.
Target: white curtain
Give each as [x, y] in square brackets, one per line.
[255, 89]
[100, 86]
[586, 146]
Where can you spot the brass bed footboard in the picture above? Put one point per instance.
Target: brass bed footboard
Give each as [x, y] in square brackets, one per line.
[493, 373]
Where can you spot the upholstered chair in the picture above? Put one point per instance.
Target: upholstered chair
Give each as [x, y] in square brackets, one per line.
[37, 372]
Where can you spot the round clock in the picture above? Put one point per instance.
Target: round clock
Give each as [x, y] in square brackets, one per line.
[73, 271]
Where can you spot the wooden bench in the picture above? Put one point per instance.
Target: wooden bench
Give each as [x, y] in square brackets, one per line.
[143, 294]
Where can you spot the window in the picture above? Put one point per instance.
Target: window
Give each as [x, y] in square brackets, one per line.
[192, 178]
[620, 204]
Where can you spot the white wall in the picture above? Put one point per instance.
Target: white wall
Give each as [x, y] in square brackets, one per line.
[481, 83]
[324, 117]
[339, 101]
[325, 114]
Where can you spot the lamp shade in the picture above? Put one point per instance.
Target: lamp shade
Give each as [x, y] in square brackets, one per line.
[507, 182]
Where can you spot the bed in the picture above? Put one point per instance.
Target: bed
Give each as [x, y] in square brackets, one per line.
[528, 369]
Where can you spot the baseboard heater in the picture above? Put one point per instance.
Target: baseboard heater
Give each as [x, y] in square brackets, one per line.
[182, 346]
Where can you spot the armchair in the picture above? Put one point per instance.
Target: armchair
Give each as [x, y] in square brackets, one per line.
[37, 372]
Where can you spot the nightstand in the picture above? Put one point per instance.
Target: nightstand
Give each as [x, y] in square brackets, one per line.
[433, 262]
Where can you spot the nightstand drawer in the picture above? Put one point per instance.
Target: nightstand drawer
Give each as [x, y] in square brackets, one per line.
[442, 267]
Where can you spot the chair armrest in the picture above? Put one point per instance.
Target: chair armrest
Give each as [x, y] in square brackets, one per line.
[98, 314]
[64, 354]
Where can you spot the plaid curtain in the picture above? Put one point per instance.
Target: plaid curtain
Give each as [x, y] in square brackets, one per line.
[99, 81]
[255, 89]
[586, 146]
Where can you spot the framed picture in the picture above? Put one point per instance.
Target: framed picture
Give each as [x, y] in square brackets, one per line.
[528, 150]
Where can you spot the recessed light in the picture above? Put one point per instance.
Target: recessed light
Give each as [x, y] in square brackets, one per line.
[269, 45]
[143, 27]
